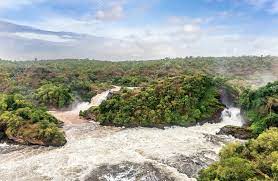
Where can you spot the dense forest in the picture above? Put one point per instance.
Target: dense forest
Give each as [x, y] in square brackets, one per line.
[261, 107]
[255, 160]
[85, 78]
[23, 122]
[183, 100]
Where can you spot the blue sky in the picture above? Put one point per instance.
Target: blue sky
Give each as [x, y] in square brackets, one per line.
[132, 29]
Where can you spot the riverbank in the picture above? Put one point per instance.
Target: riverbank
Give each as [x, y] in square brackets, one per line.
[176, 152]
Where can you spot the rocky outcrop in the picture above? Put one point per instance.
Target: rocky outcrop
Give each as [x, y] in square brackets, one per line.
[190, 165]
[237, 132]
[128, 171]
[34, 141]
[2, 135]
[26, 141]
[23, 141]
[215, 118]
[28, 136]
[228, 96]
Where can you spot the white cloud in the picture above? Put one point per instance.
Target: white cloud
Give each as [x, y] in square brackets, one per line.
[270, 6]
[179, 36]
[112, 49]
[274, 8]
[258, 3]
[114, 13]
[184, 37]
[190, 28]
[45, 37]
[14, 4]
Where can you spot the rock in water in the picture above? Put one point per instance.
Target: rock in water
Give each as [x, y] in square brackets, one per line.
[190, 165]
[237, 132]
[128, 171]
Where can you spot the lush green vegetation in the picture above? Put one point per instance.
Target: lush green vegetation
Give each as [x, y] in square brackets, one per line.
[24, 123]
[83, 77]
[255, 160]
[55, 96]
[261, 107]
[258, 158]
[182, 100]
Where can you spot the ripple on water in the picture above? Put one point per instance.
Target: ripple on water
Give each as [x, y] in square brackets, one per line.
[112, 154]
[128, 171]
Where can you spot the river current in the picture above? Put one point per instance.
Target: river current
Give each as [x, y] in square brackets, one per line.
[99, 153]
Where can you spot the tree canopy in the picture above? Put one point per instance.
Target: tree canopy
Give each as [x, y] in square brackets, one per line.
[182, 100]
[255, 160]
[261, 107]
[22, 122]
[53, 95]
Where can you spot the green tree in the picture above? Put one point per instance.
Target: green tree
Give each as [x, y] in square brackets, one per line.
[23, 122]
[181, 100]
[52, 95]
[255, 160]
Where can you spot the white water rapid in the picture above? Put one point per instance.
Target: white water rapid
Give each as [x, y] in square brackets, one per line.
[94, 152]
[72, 116]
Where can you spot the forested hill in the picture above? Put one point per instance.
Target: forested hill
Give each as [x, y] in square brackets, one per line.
[83, 77]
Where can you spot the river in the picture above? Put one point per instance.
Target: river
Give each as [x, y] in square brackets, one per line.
[99, 153]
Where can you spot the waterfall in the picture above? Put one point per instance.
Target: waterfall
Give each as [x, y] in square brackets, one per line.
[95, 152]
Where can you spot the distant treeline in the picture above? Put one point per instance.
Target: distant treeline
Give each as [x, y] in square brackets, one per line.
[84, 78]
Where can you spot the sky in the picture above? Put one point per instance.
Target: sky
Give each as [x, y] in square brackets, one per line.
[136, 30]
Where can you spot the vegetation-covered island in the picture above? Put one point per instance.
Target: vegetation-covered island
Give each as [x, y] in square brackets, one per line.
[182, 100]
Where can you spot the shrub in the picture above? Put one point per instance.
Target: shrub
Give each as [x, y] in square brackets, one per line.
[261, 107]
[21, 121]
[254, 160]
[52, 95]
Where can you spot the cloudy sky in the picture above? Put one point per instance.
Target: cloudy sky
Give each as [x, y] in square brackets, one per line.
[133, 29]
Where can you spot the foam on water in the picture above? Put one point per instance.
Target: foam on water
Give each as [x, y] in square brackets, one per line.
[83, 106]
[4, 145]
[232, 116]
[91, 146]
[72, 116]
